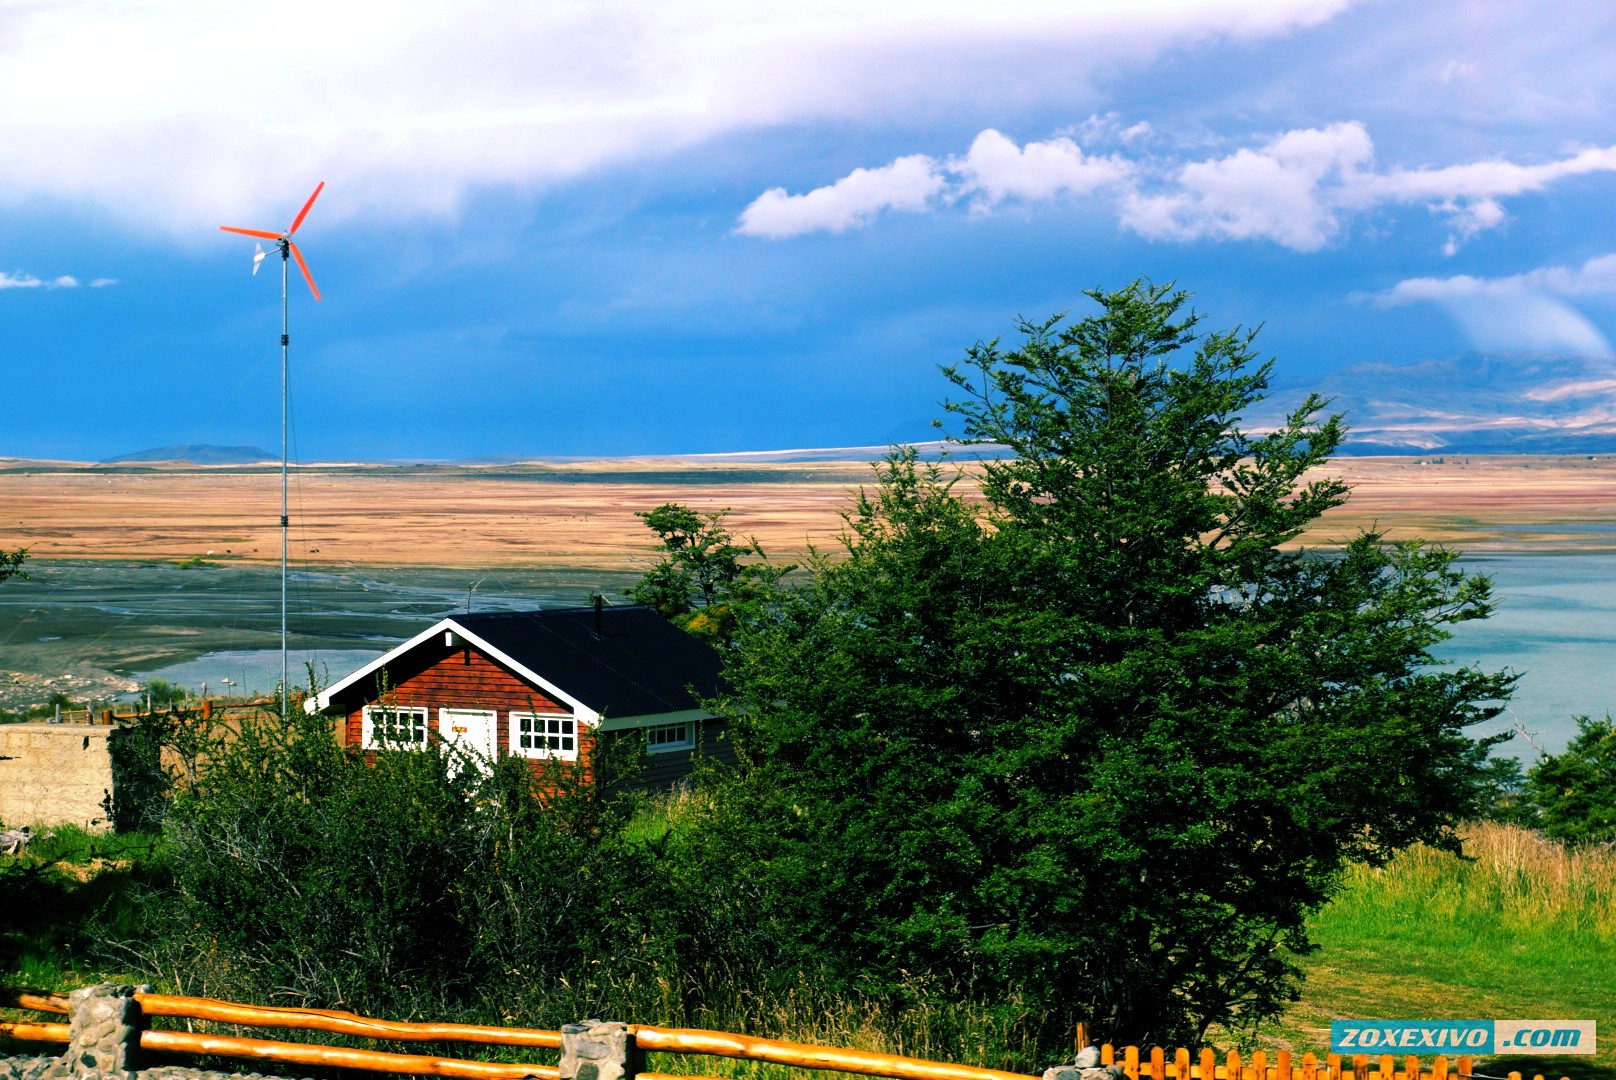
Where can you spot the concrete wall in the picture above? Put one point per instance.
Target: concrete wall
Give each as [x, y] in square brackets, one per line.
[54, 774]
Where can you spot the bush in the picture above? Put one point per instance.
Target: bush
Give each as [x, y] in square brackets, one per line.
[416, 884]
[1572, 796]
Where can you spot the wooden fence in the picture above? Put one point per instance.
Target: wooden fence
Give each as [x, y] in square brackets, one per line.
[1155, 1064]
[127, 712]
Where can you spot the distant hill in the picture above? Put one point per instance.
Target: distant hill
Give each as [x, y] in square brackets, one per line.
[1471, 404]
[198, 454]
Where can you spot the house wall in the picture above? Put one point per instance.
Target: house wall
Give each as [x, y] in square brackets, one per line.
[438, 677]
[665, 770]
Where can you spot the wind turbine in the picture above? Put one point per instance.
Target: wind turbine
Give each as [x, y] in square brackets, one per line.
[283, 241]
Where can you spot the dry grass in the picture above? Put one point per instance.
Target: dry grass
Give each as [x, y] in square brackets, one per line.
[583, 515]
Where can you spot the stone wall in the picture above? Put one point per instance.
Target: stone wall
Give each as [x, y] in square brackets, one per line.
[54, 774]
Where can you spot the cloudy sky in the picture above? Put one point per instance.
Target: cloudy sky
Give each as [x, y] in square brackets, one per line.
[617, 228]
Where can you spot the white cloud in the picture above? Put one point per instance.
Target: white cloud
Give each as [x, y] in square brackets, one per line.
[1469, 194]
[993, 170]
[1527, 311]
[1280, 192]
[1299, 189]
[996, 169]
[176, 115]
[1596, 277]
[910, 183]
[29, 281]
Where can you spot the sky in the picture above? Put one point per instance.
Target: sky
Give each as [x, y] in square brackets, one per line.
[608, 229]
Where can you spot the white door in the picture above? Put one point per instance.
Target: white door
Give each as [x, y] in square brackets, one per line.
[472, 730]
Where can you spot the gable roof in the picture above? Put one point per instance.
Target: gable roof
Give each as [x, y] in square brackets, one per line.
[639, 665]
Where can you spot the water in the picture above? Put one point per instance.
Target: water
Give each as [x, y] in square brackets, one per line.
[256, 672]
[1555, 625]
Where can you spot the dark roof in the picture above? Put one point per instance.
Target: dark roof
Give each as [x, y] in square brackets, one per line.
[640, 664]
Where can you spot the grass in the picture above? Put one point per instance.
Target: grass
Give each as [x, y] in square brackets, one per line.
[1527, 930]
[57, 897]
[665, 813]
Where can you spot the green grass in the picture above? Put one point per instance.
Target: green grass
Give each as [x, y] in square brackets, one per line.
[1525, 931]
[59, 897]
[664, 813]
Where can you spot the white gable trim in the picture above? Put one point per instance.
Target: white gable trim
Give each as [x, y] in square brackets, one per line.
[582, 712]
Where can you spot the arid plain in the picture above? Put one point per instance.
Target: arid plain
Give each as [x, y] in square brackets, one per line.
[583, 515]
[134, 568]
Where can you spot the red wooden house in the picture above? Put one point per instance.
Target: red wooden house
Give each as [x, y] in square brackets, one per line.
[540, 685]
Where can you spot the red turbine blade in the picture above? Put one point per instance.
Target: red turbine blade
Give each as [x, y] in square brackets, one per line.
[251, 232]
[303, 266]
[303, 213]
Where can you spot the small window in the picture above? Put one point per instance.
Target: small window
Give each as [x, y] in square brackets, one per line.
[664, 738]
[394, 727]
[544, 735]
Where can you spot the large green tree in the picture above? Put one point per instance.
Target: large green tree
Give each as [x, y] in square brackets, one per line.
[1098, 742]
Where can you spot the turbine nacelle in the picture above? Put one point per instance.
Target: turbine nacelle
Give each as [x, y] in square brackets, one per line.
[283, 241]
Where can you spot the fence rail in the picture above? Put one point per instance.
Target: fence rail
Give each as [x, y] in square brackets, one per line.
[1154, 1064]
[127, 712]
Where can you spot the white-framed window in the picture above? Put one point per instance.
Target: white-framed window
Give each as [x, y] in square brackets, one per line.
[544, 735]
[665, 738]
[394, 727]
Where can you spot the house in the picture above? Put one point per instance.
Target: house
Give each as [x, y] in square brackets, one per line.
[540, 685]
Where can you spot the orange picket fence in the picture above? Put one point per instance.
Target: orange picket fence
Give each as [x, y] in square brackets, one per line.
[1155, 1064]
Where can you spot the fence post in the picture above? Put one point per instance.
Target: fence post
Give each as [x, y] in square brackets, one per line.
[596, 1050]
[104, 1033]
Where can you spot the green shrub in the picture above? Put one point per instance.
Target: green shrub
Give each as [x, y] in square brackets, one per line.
[420, 883]
[1572, 796]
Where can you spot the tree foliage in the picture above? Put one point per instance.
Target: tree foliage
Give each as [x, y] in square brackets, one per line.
[1572, 795]
[11, 563]
[1099, 742]
[702, 573]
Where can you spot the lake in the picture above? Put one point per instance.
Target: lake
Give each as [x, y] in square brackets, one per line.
[1555, 625]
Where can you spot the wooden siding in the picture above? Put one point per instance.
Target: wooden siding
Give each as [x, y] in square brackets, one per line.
[667, 769]
[436, 677]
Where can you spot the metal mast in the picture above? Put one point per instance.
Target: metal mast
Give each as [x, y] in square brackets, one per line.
[288, 250]
[286, 341]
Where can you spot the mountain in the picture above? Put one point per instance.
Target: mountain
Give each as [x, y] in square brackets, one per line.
[1471, 404]
[198, 454]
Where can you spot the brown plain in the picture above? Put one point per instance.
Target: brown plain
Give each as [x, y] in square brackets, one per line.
[583, 515]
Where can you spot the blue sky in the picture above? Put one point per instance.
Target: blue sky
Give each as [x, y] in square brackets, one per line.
[604, 229]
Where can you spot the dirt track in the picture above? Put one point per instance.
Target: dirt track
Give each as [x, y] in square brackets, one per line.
[583, 516]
